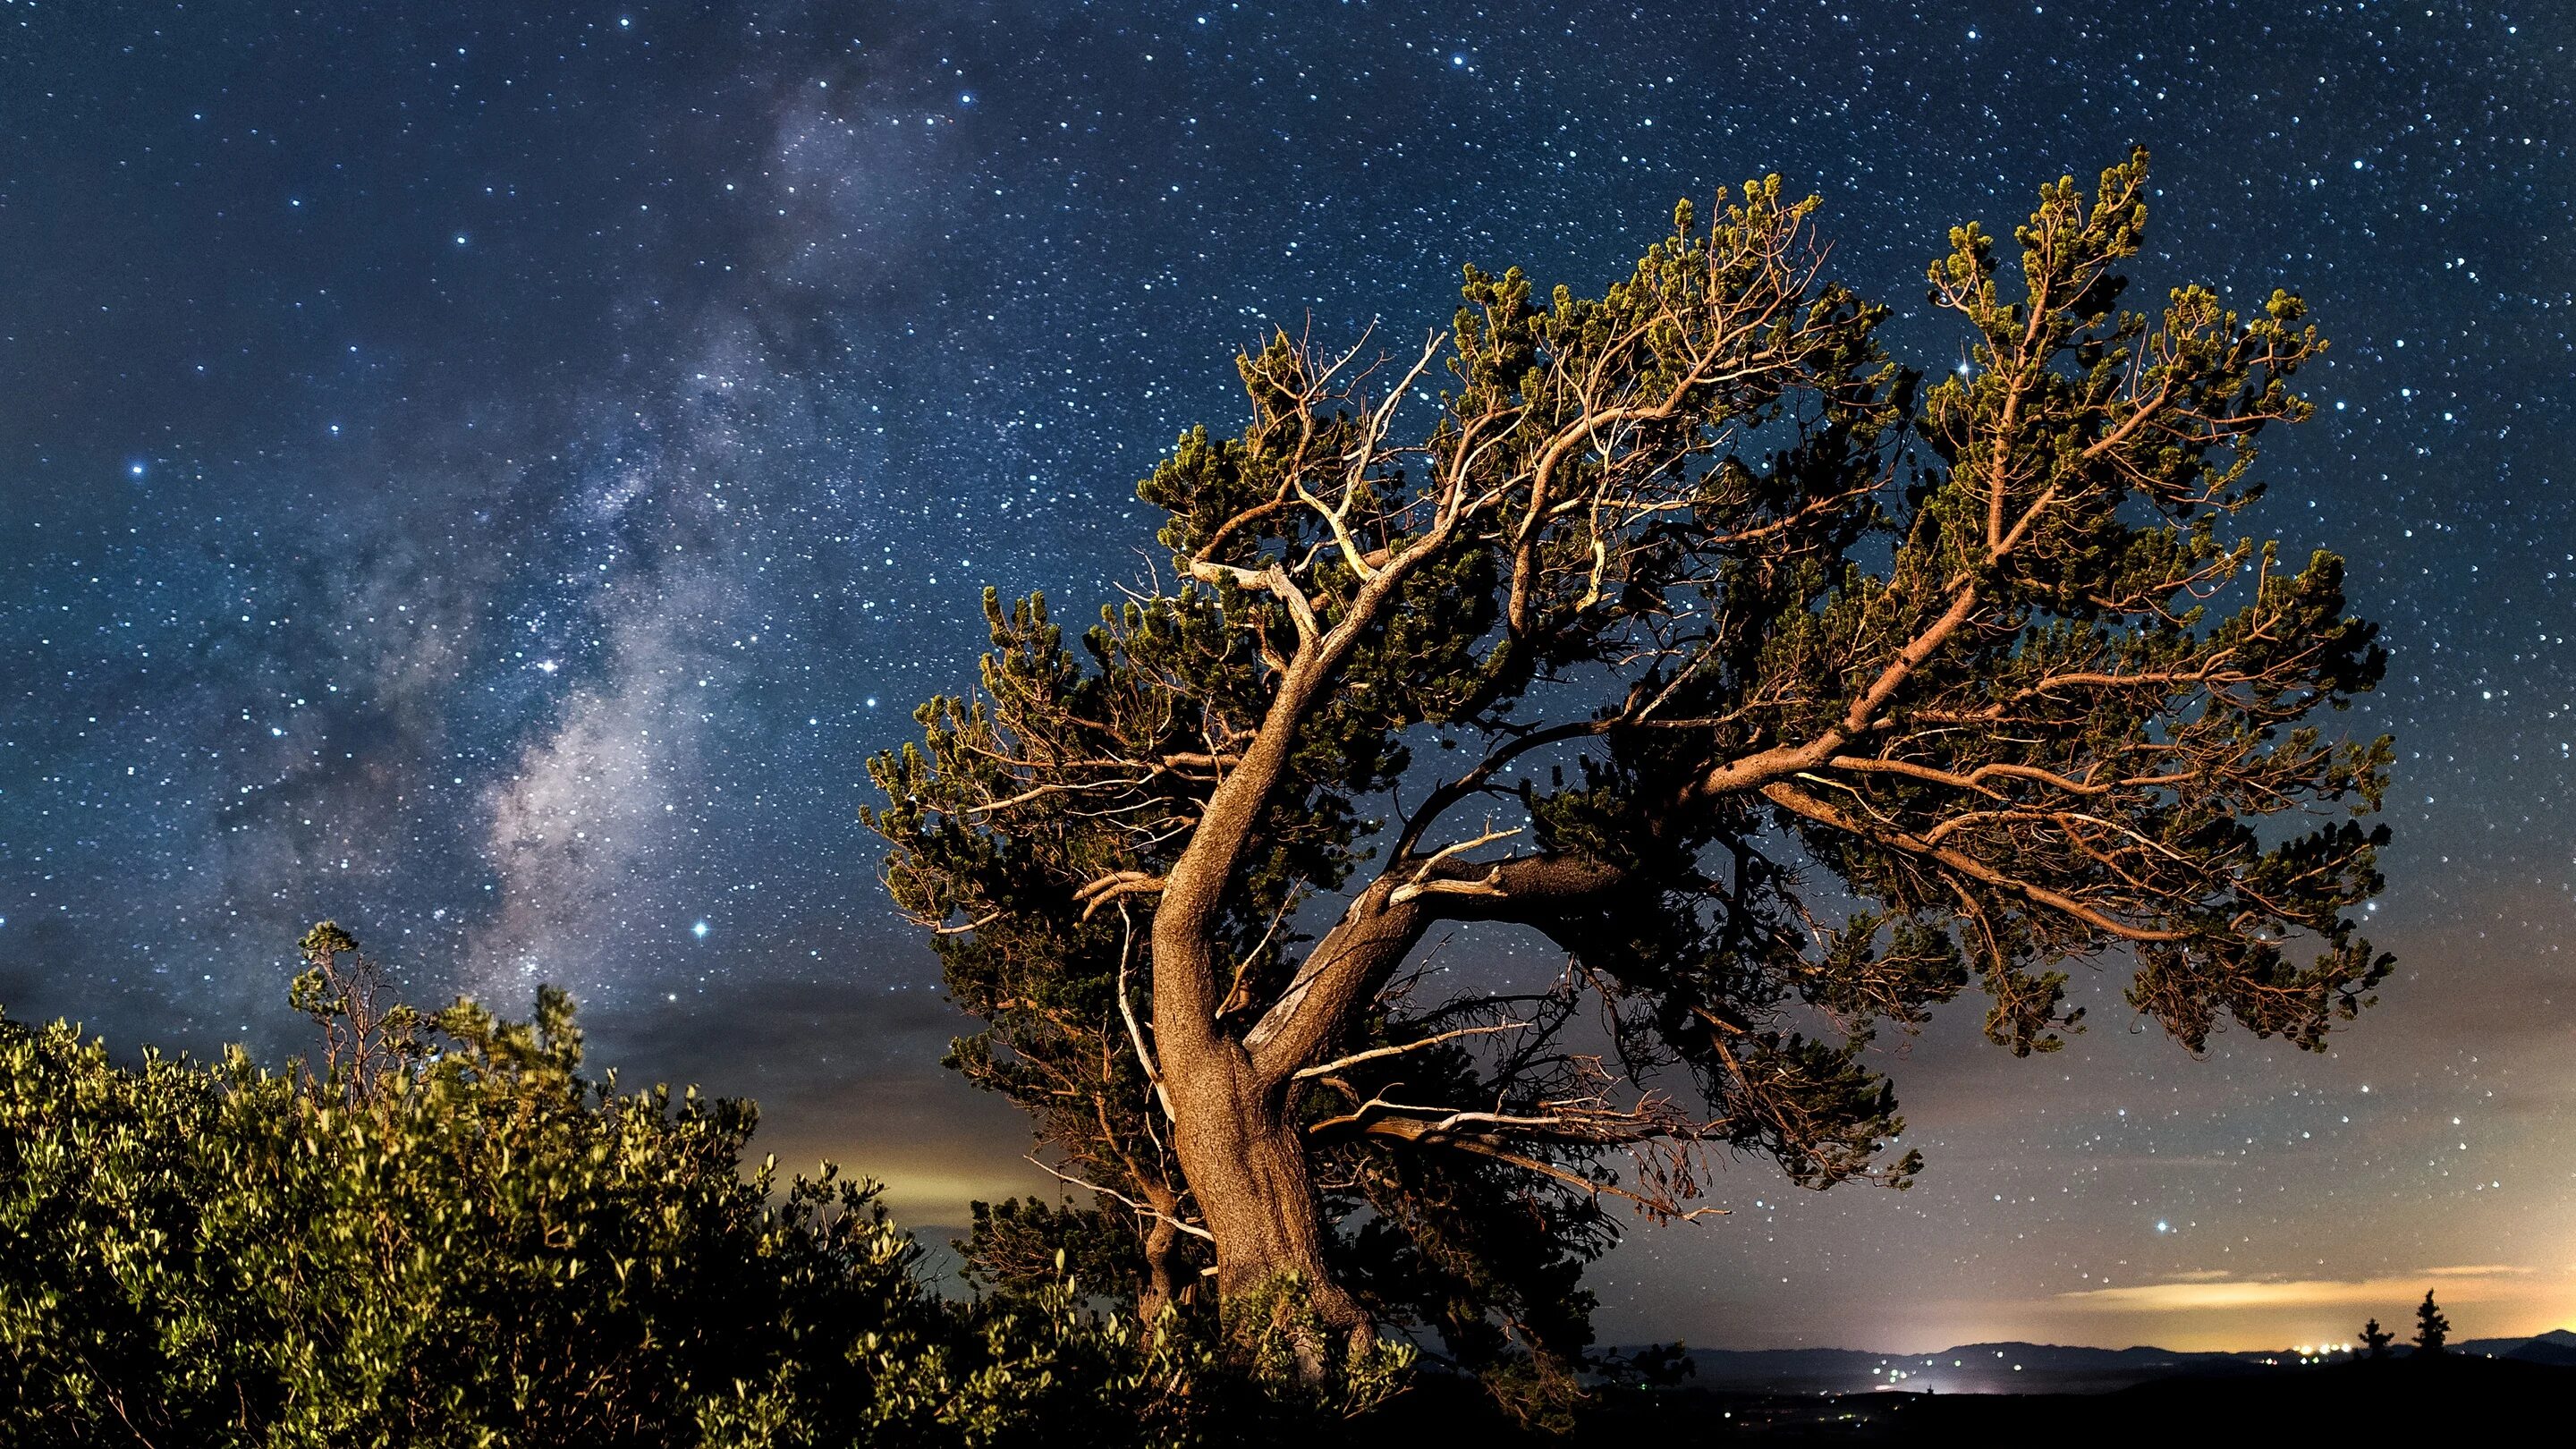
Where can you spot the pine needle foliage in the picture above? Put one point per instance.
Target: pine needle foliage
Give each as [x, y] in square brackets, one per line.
[1788, 690]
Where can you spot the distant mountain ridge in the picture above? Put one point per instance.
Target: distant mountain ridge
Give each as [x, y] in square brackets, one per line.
[2024, 1368]
[2557, 1347]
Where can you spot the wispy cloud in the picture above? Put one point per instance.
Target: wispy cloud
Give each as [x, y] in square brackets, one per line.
[2205, 1291]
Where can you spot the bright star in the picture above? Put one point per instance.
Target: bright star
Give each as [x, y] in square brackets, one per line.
[699, 930]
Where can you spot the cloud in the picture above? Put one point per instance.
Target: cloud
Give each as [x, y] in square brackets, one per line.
[2207, 1291]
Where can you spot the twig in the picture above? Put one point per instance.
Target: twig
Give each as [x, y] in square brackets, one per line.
[1192, 1229]
[1126, 1009]
[1380, 1053]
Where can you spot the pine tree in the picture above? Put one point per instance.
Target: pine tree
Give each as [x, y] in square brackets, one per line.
[1680, 626]
[2432, 1330]
[2375, 1339]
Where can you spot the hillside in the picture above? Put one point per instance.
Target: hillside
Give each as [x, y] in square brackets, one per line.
[2231, 1406]
[2040, 1368]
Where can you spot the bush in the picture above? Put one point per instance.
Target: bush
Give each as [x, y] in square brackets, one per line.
[448, 1236]
[474, 1247]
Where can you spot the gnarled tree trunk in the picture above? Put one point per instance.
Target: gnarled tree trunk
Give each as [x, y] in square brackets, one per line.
[1246, 1165]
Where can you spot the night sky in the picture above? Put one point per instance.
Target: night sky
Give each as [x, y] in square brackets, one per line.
[490, 473]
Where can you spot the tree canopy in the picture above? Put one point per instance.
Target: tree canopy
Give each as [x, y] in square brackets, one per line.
[1786, 690]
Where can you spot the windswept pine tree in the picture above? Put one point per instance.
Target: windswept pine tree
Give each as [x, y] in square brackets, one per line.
[1684, 627]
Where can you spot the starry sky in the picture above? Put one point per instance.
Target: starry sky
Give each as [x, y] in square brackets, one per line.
[490, 472]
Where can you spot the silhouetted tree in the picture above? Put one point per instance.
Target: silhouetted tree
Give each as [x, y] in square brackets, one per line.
[1787, 697]
[2432, 1330]
[2375, 1339]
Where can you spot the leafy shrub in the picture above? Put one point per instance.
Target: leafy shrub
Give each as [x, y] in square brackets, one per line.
[475, 1247]
[448, 1236]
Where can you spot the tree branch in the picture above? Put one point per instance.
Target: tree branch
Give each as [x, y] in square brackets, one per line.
[1798, 802]
[1381, 1053]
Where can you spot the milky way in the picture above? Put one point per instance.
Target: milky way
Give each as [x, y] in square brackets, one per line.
[491, 473]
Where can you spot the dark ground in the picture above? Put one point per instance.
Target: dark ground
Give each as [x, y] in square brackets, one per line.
[2461, 1398]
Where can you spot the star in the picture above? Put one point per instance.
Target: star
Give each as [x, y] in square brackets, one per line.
[741, 369]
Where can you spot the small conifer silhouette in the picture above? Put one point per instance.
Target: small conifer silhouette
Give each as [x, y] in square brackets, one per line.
[2432, 1330]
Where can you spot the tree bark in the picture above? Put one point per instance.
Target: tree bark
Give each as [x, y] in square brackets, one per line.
[1246, 1165]
[1162, 1270]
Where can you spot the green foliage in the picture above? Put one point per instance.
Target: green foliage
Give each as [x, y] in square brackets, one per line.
[475, 1245]
[490, 1250]
[1286, 1348]
[1027, 1245]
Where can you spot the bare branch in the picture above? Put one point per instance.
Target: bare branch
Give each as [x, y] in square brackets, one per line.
[1373, 1054]
[1092, 895]
[1193, 1229]
[1127, 1011]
